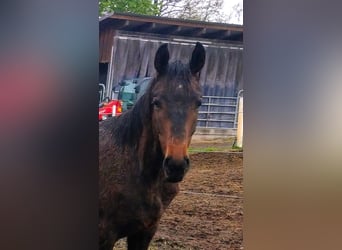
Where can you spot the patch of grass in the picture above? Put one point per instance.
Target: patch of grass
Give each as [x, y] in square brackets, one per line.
[205, 149]
[236, 148]
[157, 244]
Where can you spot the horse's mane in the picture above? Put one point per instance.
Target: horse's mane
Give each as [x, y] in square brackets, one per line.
[128, 127]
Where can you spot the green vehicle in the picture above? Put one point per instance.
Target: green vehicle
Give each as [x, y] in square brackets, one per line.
[131, 90]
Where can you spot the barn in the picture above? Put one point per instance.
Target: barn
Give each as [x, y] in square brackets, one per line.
[128, 43]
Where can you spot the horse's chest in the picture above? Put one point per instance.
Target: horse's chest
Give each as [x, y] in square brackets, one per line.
[150, 213]
[141, 210]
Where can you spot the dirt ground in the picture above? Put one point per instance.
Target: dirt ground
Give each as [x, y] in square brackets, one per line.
[207, 213]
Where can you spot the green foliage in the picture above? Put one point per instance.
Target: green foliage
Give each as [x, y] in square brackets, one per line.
[145, 7]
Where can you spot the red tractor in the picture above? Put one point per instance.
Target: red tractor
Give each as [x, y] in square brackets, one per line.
[107, 107]
[129, 92]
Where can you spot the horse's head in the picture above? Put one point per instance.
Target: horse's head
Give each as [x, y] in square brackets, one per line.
[175, 99]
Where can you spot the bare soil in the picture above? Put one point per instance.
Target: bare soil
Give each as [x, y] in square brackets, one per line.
[208, 212]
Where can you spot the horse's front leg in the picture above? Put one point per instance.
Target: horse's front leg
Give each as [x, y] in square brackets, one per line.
[140, 240]
[107, 243]
[107, 236]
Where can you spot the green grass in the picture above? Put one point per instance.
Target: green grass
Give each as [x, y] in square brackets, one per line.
[236, 148]
[214, 149]
[206, 149]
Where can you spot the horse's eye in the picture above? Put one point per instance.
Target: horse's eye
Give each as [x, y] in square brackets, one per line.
[156, 103]
[198, 103]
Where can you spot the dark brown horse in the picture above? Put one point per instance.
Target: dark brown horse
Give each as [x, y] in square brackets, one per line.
[143, 152]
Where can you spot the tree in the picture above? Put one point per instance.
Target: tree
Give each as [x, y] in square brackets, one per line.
[202, 10]
[146, 7]
[236, 14]
[168, 8]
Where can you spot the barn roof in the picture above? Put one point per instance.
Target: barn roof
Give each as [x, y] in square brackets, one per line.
[173, 26]
[227, 33]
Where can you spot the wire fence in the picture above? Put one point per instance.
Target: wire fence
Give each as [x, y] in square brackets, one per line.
[212, 194]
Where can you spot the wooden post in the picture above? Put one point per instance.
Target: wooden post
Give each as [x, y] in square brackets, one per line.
[239, 133]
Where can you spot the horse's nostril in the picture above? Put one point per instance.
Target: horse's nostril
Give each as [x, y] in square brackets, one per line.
[166, 161]
[187, 160]
[170, 162]
[175, 169]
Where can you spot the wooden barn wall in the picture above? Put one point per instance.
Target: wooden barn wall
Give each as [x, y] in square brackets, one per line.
[105, 44]
[134, 57]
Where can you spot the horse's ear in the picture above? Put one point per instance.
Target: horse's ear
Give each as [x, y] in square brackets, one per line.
[197, 59]
[161, 60]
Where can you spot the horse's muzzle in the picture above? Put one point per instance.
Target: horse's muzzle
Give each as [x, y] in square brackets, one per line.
[175, 169]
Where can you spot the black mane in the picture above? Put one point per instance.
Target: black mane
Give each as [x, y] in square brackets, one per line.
[128, 127]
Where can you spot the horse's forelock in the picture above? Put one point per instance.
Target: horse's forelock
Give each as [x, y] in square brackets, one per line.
[177, 73]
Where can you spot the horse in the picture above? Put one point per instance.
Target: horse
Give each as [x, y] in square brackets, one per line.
[143, 153]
